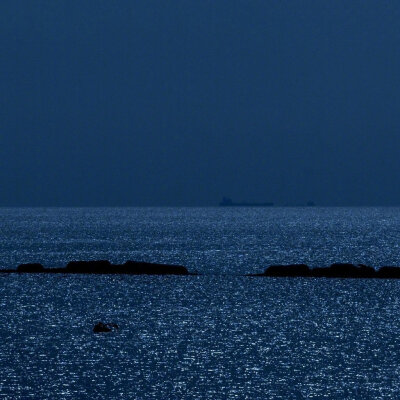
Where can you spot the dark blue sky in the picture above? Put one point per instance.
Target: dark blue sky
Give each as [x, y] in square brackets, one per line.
[182, 102]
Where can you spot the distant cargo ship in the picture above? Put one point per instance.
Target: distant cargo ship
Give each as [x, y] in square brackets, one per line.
[227, 202]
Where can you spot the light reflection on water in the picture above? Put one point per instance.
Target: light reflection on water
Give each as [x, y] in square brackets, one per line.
[210, 240]
[199, 337]
[205, 337]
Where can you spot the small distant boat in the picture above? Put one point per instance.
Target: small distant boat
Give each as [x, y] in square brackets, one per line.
[227, 202]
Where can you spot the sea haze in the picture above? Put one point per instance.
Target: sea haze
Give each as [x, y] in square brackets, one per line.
[213, 336]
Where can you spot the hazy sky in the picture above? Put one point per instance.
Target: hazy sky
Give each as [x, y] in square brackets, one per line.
[181, 102]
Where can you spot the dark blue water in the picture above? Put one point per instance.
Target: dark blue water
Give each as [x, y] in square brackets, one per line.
[205, 337]
[210, 240]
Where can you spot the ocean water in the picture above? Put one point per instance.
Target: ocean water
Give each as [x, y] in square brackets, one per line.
[215, 336]
[210, 240]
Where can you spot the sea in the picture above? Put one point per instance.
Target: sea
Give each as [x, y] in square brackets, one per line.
[218, 335]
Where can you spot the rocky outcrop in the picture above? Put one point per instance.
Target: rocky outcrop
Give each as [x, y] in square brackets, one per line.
[101, 327]
[89, 267]
[139, 268]
[30, 268]
[105, 267]
[344, 270]
[389, 272]
[337, 270]
[288, 270]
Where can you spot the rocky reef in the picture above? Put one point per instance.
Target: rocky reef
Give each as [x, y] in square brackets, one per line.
[104, 267]
[337, 270]
[101, 327]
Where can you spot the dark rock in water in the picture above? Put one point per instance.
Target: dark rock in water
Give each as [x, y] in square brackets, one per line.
[30, 268]
[345, 270]
[137, 268]
[367, 271]
[88, 267]
[101, 327]
[337, 270]
[288, 270]
[105, 267]
[389, 272]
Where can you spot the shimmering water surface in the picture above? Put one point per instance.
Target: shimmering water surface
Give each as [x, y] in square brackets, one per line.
[217, 336]
[210, 240]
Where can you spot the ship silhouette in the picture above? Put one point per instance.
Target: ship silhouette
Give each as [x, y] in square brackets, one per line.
[227, 202]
